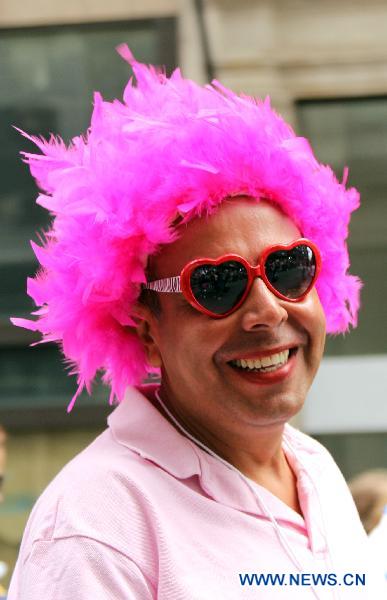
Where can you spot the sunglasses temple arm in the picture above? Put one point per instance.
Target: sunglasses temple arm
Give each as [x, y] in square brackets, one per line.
[169, 284]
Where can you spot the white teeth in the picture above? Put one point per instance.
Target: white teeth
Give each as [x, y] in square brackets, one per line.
[266, 362]
[254, 363]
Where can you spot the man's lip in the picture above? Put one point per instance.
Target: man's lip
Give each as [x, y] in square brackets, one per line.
[262, 353]
[277, 376]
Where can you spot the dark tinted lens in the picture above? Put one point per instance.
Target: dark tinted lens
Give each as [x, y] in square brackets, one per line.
[291, 271]
[219, 288]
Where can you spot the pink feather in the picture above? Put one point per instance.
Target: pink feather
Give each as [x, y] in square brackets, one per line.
[171, 147]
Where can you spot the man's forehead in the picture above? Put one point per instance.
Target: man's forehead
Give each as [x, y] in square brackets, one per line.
[239, 225]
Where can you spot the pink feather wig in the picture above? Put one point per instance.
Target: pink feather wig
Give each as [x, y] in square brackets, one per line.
[171, 148]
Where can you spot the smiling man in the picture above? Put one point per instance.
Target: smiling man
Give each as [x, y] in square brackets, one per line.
[235, 381]
[195, 237]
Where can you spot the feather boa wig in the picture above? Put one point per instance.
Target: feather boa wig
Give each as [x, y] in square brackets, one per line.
[171, 148]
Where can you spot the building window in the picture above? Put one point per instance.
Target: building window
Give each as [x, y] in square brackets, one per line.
[353, 132]
[350, 396]
[48, 76]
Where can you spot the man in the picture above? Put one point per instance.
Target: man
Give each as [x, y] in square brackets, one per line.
[195, 236]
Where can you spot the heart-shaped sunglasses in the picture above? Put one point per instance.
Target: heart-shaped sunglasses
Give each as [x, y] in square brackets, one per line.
[218, 287]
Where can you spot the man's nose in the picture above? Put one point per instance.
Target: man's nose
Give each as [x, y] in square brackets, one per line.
[262, 308]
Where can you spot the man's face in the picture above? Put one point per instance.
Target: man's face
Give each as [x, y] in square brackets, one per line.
[195, 350]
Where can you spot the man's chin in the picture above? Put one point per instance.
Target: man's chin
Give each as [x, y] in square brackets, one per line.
[266, 410]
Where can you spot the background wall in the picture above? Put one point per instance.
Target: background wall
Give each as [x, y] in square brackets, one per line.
[323, 63]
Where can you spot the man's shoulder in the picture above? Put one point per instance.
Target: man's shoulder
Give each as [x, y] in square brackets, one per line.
[94, 515]
[102, 461]
[90, 495]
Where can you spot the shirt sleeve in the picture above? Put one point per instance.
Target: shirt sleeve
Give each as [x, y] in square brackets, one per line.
[78, 568]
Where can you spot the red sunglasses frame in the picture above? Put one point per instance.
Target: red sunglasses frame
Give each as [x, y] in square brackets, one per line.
[181, 283]
[252, 274]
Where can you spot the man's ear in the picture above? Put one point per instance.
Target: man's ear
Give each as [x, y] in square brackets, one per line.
[147, 331]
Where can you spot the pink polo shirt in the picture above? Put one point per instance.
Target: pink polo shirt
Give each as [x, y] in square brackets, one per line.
[143, 513]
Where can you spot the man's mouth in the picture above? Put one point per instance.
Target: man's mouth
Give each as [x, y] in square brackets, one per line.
[264, 364]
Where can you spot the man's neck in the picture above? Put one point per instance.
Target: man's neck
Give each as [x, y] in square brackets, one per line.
[257, 453]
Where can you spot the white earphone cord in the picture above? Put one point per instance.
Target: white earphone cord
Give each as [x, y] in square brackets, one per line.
[284, 543]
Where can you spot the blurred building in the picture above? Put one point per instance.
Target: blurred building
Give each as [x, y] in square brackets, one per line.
[324, 64]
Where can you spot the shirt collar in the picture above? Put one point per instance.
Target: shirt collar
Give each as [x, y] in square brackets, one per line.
[139, 426]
